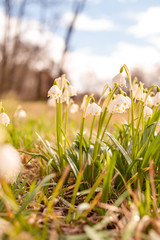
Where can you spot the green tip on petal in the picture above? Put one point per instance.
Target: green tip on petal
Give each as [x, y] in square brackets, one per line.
[158, 89]
[2, 109]
[121, 70]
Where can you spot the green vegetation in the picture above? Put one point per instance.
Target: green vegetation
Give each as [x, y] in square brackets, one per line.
[89, 175]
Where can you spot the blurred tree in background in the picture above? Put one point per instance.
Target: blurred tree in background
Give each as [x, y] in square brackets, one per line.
[25, 65]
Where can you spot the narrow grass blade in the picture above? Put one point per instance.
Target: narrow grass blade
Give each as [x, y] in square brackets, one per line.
[119, 146]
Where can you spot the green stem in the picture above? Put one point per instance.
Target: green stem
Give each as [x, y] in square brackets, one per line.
[141, 116]
[59, 133]
[80, 142]
[66, 121]
[108, 120]
[138, 123]
[96, 145]
[132, 124]
[91, 131]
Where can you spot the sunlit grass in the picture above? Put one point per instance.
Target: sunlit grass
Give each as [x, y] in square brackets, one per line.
[89, 175]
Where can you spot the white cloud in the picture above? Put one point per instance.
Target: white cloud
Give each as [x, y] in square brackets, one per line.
[124, 1]
[155, 40]
[94, 1]
[147, 23]
[86, 69]
[86, 23]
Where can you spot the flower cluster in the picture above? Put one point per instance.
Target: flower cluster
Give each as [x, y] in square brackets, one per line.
[62, 89]
[119, 104]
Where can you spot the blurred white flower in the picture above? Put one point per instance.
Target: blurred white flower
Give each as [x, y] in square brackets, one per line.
[69, 91]
[20, 114]
[138, 92]
[51, 102]
[83, 207]
[148, 111]
[10, 162]
[54, 92]
[135, 88]
[65, 97]
[74, 108]
[120, 80]
[156, 100]
[4, 119]
[119, 104]
[136, 218]
[149, 100]
[72, 91]
[93, 110]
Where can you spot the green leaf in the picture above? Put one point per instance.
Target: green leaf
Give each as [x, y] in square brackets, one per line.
[31, 195]
[119, 146]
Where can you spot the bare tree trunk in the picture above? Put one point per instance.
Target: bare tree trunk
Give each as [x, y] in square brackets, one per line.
[4, 77]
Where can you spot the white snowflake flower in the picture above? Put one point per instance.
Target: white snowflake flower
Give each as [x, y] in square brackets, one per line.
[54, 92]
[93, 110]
[72, 91]
[136, 218]
[83, 207]
[74, 108]
[149, 100]
[147, 111]
[20, 114]
[119, 104]
[156, 101]
[120, 80]
[10, 162]
[65, 97]
[137, 92]
[4, 119]
[51, 102]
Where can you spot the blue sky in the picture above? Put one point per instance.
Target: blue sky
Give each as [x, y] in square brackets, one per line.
[121, 13]
[107, 34]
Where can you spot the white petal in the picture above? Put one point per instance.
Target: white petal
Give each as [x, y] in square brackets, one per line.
[93, 109]
[4, 119]
[10, 162]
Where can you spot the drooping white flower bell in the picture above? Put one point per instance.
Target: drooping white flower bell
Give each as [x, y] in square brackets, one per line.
[119, 104]
[149, 100]
[51, 102]
[74, 108]
[4, 119]
[83, 207]
[138, 92]
[10, 162]
[21, 114]
[65, 96]
[147, 111]
[54, 92]
[156, 100]
[72, 91]
[93, 110]
[120, 80]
